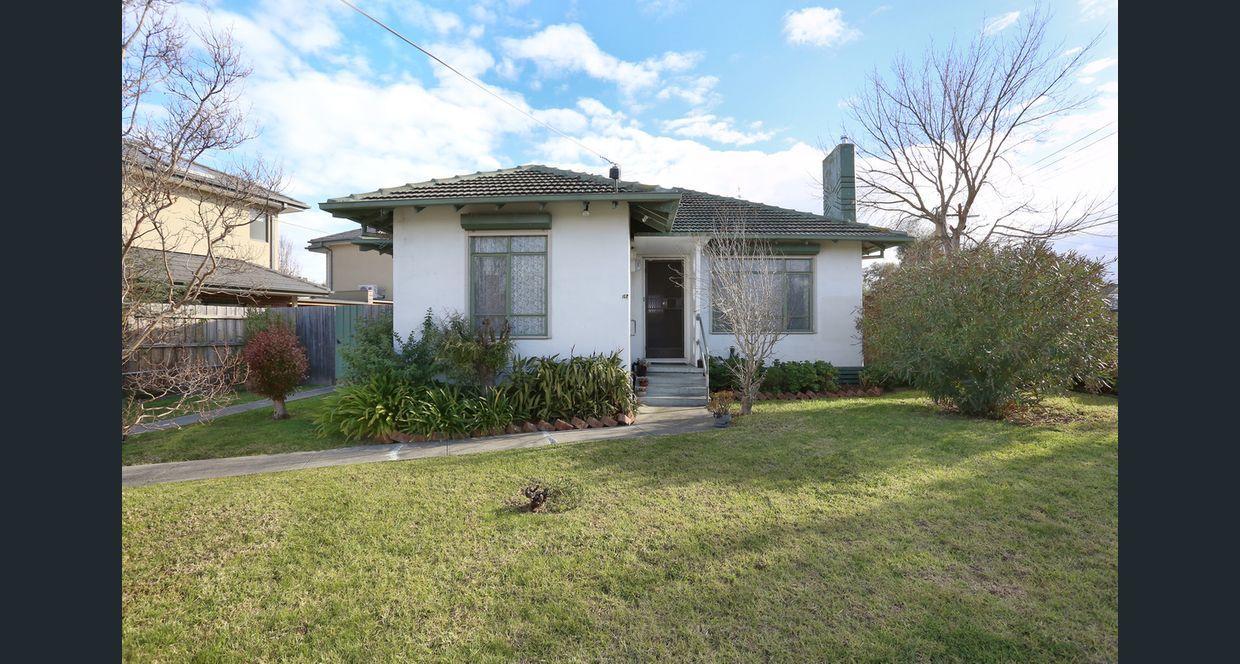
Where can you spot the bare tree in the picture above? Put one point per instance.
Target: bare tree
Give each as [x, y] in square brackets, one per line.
[179, 108]
[936, 135]
[745, 289]
[286, 258]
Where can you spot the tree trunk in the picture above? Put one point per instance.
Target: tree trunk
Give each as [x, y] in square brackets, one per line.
[281, 413]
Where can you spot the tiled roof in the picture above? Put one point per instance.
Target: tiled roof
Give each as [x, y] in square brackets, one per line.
[199, 174]
[232, 274]
[529, 180]
[699, 212]
[337, 237]
[694, 211]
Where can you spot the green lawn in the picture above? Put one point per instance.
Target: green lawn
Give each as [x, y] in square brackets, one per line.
[245, 434]
[850, 529]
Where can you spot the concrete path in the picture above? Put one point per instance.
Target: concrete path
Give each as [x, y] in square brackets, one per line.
[651, 421]
[186, 420]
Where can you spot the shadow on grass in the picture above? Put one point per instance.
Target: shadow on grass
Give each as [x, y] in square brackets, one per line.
[1006, 554]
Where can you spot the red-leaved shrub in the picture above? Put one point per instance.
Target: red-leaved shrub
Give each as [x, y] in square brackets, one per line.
[277, 364]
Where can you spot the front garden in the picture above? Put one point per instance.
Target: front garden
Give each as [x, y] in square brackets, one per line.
[838, 529]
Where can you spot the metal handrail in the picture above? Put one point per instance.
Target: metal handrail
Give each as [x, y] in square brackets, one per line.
[705, 351]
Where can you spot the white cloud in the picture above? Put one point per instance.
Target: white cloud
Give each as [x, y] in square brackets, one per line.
[1000, 23]
[818, 26]
[1098, 65]
[1091, 9]
[697, 91]
[1071, 52]
[720, 130]
[660, 8]
[563, 49]
[1110, 88]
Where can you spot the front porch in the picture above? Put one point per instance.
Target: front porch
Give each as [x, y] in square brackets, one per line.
[666, 299]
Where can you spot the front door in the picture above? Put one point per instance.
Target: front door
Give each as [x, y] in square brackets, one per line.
[665, 309]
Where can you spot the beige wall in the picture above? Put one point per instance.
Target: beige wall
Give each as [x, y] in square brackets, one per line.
[183, 228]
[349, 267]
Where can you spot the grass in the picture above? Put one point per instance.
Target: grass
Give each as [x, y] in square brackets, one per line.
[244, 434]
[849, 529]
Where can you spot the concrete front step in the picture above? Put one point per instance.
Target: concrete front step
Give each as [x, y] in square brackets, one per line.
[654, 368]
[661, 390]
[677, 379]
[674, 401]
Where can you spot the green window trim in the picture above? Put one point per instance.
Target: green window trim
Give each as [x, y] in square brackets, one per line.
[790, 268]
[507, 251]
[505, 222]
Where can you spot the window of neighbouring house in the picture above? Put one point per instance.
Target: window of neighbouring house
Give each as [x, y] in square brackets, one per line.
[796, 298]
[259, 221]
[508, 282]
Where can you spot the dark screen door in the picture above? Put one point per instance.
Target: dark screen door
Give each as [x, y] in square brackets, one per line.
[665, 310]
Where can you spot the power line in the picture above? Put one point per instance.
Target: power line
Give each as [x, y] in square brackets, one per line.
[1073, 143]
[476, 84]
[1091, 143]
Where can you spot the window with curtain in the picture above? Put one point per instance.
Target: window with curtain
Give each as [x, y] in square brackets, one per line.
[796, 303]
[508, 282]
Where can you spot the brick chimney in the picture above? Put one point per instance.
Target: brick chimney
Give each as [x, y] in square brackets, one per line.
[839, 184]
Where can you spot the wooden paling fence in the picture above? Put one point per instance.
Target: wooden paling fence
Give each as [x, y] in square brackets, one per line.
[204, 334]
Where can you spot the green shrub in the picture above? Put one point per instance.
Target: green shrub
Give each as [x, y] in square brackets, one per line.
[801, 376]
[876, 376]
[580, 386]
[722, 376]
[992, 329]
[438, 410]
[474, 356]
[373, 351]
[369, 410]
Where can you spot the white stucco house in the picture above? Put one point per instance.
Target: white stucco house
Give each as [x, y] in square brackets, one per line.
[581, 263]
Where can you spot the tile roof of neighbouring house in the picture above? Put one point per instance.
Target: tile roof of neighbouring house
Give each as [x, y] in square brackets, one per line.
[359, 236]
[232, 275]
[527, 180]
[199, 174]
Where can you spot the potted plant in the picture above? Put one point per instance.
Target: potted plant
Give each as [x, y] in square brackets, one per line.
[641, 366]
[721, 405]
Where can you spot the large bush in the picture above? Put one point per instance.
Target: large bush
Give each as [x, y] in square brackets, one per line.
[377, 350]
[991, 329]
[277, 365]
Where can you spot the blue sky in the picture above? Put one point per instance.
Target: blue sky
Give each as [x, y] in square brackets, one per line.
[729, 97]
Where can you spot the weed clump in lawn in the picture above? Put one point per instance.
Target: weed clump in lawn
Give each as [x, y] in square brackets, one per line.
[557, 496]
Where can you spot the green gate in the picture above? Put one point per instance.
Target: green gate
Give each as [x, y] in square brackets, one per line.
[348, 317]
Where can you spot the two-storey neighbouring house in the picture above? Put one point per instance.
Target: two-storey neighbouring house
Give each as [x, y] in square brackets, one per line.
[192, 216]
[358, 260]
